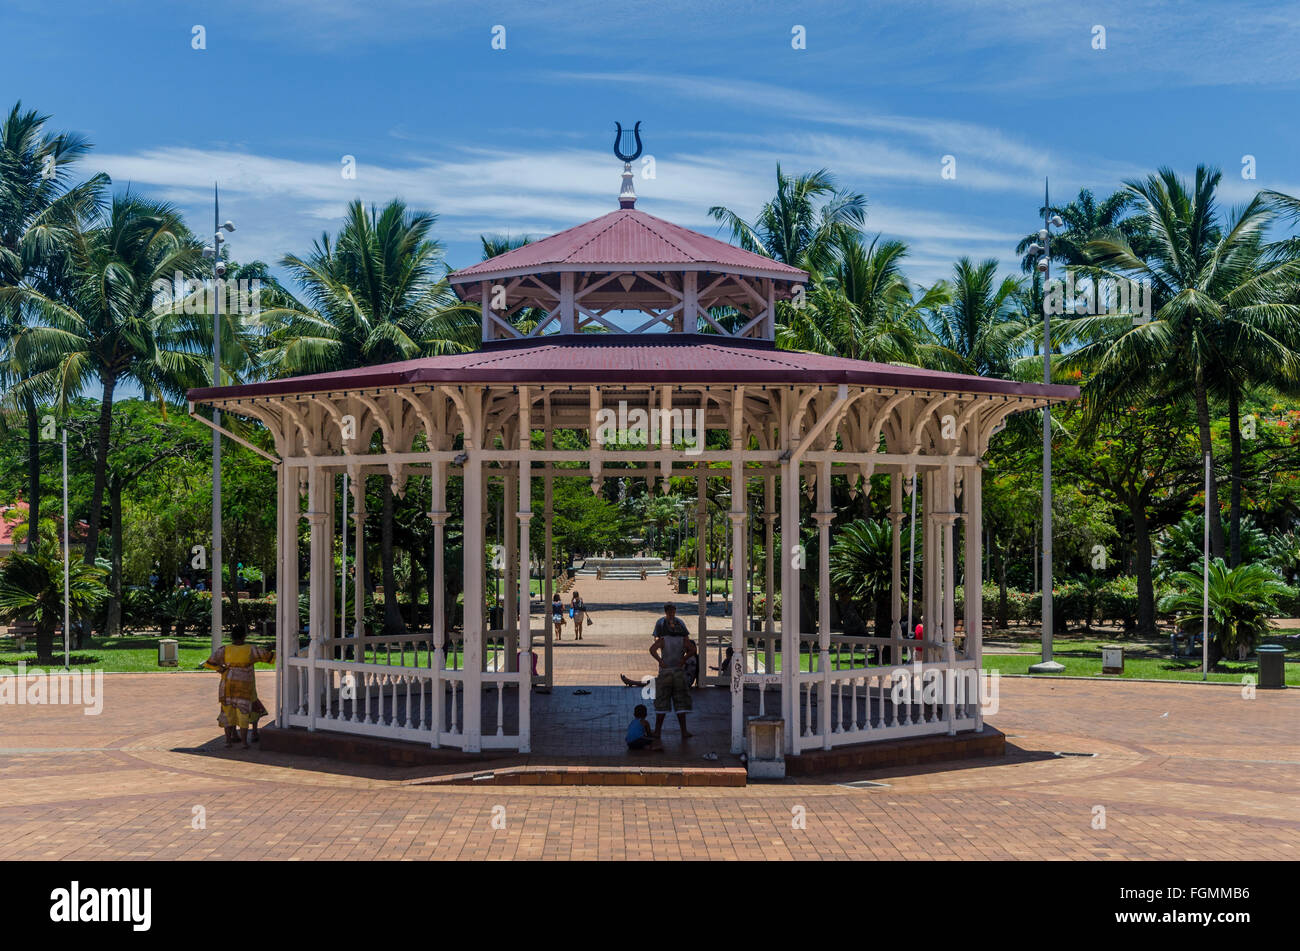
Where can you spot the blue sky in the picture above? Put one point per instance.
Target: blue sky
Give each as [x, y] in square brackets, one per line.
[518, 140]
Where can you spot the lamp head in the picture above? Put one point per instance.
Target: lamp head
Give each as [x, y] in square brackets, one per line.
[228, 226]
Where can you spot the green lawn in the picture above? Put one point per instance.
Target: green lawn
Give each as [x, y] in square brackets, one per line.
[1079, 664]
[133, 653]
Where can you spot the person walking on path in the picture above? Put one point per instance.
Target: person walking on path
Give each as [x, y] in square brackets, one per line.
[557, 616]
[578, 611]
[671, 648]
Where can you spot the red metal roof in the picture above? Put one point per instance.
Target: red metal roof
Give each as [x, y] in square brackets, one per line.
[627, 239]
[650, 358]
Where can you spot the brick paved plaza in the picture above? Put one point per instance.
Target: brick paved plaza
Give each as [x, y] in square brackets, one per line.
[1182, 771]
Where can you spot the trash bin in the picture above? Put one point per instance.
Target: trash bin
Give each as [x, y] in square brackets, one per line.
[683, 584]
[1272, 666]
[168, 652]
[1112, 659]
[765, 749]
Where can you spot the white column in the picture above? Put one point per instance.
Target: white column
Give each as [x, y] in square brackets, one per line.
[790, 700]
[509, 569]
[769, 599]
[286, 593]
[701, 559]
[549, 588]
[824, 516]
[472, 720]
[319, 487]
[568, 312]
[896, 580]
[525, 622]
[359, 561]
[739, 592]
[948, 589]
[438, 610]
[974, 583]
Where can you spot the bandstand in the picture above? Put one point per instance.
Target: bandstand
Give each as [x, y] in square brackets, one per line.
[700, 347]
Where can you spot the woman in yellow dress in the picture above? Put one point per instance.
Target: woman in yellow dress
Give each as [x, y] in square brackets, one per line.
[237, 692]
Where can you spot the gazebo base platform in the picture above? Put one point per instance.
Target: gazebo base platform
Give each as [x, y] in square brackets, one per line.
[913, 751]
[578, 740]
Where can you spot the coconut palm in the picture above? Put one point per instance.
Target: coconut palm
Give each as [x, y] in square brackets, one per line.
[374, 294]
[863, 307]
[1220, 302]
[38, 206]
[108, 322]
[982, 329]
[31, 590]
[793, 227]
[1241, 600]
[1086, 219]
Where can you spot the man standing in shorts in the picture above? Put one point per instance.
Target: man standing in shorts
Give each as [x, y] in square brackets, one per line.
[671, 648]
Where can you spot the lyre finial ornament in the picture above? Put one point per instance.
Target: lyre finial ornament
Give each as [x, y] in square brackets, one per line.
[627, 195]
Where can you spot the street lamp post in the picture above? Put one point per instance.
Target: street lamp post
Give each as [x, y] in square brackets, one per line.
[1047, 665]
[218, 273]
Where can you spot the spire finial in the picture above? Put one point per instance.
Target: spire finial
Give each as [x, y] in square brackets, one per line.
[627, 194]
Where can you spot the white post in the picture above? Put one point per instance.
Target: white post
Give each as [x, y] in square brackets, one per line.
[769, 599]
[319, 485]
[343, 563]
[438, 621]
[790, 699]
[359, 564]
[824, 516]
[509, 569]
[1205, 583]
[472, 721]
[67, 568]
[702, 558]
[525, 624]
[974, 581]
[896, 566]
[739, 572]
[948, 589]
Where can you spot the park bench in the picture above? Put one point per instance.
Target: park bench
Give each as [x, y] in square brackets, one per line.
[20, 632]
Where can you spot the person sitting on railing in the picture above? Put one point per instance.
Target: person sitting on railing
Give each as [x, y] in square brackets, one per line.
[724, 669]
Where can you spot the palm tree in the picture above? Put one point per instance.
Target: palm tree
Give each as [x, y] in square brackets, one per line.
[863, 307]
[31, 590]
[792, 227]
[38, 206]
[1086, 220]
[1241, 600]
[107, 322]
[375, 294]
[981, 328]
[1219, 300]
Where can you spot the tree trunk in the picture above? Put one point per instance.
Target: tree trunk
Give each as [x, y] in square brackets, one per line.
[113, 621]
[44, 646]
[33, 474]
[1002, 591]
[1146, 592]
[1203, 425]
[101, 468]
[1234, 491]
[393, 623]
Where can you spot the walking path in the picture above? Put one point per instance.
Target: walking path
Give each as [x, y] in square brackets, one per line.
[1179, 771]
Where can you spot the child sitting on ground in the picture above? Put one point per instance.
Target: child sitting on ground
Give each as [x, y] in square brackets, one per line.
[639, 734]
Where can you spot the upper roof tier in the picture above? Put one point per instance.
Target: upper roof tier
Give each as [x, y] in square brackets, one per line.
[627, 240]
[592, 276]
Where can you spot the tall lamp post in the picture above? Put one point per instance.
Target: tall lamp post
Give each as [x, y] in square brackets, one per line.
[218, 273]
[1044, 265]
